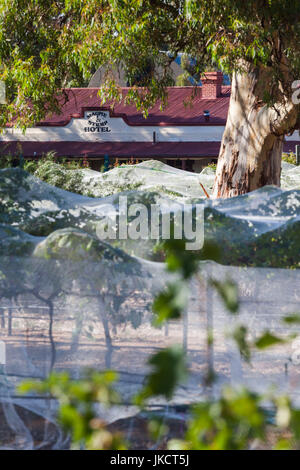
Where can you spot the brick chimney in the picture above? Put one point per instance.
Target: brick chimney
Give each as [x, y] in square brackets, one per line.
[212, 85]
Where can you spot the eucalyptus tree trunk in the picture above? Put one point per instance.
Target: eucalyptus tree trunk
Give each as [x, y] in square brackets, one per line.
[252, 144]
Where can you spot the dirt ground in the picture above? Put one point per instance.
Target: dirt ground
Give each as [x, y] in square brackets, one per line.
[83, 344]
[34, 423]
[138, 437]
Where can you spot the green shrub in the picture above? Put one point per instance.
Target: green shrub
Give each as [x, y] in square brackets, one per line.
[56, 175]
[30, 166]
[6, 161]
[289, 158]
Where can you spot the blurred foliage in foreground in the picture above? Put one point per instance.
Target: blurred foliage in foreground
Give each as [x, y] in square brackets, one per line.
[233, 421]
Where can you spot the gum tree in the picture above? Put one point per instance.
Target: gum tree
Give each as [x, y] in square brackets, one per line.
[45, 45]
[256, 41]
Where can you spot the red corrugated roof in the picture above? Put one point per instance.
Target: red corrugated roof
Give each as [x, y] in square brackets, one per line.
[113, 149]
[177, 111]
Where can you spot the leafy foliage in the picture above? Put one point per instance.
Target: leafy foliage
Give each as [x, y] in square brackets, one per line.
[233, 421]
[77, 413]
[66, 41]
[170, 303]
[57, 175]
[229, 294]
[168, 371]
[6, 161]
[228, 424]
[267, 340]
[289, 158]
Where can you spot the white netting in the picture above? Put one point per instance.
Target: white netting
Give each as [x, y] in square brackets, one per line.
[155, 176]
[69, 301]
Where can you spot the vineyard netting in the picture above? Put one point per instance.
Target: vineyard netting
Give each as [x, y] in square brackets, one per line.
[70, 301]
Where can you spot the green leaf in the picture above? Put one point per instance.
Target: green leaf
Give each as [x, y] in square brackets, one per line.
[169, 369]
[240, 337]
[267, 340]
[228, 291]
[157, 428]
[171, 302]
[292, 319]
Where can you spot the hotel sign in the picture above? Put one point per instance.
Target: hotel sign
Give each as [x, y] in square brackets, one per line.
[97, 122]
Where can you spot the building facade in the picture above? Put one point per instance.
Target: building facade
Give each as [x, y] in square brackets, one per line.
[186, 134]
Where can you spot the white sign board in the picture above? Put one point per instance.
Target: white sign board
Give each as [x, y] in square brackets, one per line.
[97, 122]
[99, 126]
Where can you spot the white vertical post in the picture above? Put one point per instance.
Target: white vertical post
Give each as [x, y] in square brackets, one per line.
[2, 353]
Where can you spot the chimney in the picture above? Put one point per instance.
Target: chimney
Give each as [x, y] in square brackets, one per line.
[212, 85]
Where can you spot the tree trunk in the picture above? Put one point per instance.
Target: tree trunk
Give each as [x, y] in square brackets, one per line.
[252, 144]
